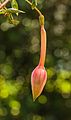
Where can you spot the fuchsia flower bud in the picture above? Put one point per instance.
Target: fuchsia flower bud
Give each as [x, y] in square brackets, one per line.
[38, 81]
[39, 74]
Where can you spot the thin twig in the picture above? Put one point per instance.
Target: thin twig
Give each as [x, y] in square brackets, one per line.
[34, 7]
[4, 4]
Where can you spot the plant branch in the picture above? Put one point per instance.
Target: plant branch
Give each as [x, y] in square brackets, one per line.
[34, 7]
[4, 4]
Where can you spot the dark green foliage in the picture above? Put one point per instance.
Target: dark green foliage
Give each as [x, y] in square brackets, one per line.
[19, 55]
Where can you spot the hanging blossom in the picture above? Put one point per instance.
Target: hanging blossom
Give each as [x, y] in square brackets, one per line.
[39, 74]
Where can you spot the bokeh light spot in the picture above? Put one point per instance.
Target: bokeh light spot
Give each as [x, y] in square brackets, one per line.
[15, 112]
[42, 99]
[14, 104]
[50, 72]
[4, 93]
[49, 86]
[66, 87]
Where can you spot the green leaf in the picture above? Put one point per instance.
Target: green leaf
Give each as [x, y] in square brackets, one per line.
[14, 4]
[13, 10]
[34, 3]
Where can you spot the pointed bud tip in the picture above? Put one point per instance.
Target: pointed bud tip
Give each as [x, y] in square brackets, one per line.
[35, 97]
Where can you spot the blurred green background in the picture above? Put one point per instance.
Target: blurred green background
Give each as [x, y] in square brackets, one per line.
[19, 55]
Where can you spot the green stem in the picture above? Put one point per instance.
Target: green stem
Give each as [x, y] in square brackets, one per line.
[34, 7]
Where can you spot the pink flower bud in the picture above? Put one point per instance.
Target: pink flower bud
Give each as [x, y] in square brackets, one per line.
[39, 74]
[38, 81]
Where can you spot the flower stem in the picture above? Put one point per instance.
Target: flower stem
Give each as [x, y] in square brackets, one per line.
[43, 46]
[43, 36]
